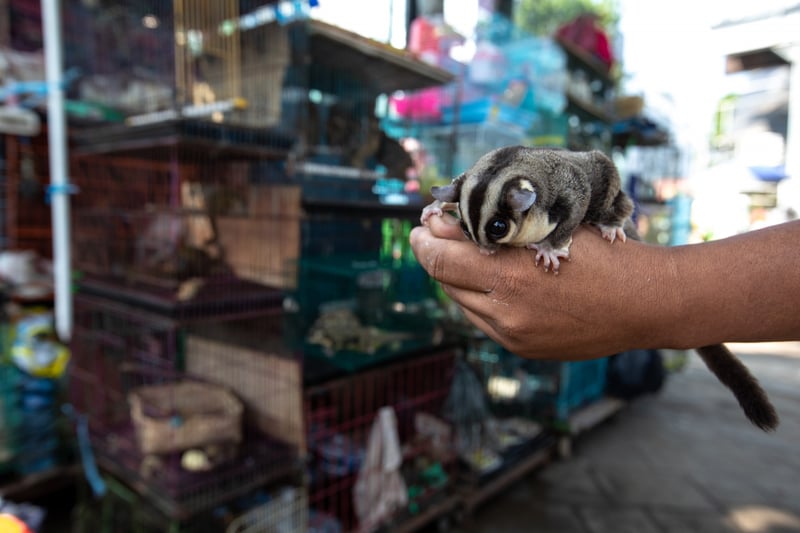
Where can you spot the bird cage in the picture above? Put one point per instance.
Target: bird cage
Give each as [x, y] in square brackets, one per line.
[150, 62]
[207, 50]
[184, 410]
[340, 417]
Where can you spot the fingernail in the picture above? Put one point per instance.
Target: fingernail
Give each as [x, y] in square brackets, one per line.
[449, 219]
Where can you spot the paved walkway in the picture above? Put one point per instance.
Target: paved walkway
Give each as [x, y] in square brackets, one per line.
[684, 461]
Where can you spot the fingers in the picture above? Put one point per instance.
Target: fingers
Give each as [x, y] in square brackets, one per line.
[468, 302]
[482, 324]
[446, 227]
[489, 304]
[449, 261]
[454, 262]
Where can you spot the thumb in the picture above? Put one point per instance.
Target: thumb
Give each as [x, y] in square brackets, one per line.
[446, 227]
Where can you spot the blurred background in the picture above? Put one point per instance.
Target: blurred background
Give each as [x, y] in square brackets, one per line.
[210, 316]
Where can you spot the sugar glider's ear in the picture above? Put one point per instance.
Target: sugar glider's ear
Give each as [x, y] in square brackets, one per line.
[448, 193]
[522, 196]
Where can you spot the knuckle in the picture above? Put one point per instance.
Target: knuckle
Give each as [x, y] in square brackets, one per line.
[437, 266]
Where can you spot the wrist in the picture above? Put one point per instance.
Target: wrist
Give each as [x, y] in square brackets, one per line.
[657, 304]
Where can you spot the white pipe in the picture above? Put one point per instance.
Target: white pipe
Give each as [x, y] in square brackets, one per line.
[59, 182]
[789, 189]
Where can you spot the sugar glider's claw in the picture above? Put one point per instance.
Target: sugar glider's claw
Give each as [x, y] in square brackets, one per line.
[611, 233]
[437, 207]
[549, 256]
[429, 210]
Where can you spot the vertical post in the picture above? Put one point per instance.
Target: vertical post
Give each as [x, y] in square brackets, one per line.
[789, 189]
[5, 25]
[59, 183]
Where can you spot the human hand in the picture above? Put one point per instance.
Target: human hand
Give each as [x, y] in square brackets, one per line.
[592, 308]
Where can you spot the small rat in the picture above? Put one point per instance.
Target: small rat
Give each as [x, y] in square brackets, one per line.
[536, 198]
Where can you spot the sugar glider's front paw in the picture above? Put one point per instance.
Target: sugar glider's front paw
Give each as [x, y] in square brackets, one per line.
[434, 208]
[549, 255]
[437, 207]
[611, 233]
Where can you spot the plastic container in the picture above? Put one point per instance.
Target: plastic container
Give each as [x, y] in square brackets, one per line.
[545, 390]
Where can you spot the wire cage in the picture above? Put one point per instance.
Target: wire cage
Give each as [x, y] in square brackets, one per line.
[339, 418]
[26, 215]
[285, 511]
[357, 310]
[190, 235]
[9, 417]
[33, 437]
[154, 61]
[548, 391]
[216, 146]
[122, 509]
[185, 412]
[4, 196]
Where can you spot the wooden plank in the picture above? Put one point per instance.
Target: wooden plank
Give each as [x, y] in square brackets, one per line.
[514, 473]
[264, 246]
[385, 68]
[270, 386]
[593, 414]
[435, 511]
[32, 486]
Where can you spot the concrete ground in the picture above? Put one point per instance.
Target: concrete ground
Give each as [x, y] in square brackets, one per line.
[683, 461]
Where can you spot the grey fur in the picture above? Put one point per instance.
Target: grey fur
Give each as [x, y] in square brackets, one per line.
[542, 195]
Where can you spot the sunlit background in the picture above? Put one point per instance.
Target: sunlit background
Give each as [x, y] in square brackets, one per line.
[678, 55]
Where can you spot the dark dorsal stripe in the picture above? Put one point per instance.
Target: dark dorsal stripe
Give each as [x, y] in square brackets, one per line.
[502, 159]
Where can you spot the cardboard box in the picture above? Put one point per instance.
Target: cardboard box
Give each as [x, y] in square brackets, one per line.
[265, 245]
[270, 386]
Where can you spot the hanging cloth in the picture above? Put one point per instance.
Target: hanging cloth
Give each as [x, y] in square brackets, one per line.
[380, 490]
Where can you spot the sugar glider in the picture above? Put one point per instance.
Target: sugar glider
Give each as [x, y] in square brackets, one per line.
[536, 198]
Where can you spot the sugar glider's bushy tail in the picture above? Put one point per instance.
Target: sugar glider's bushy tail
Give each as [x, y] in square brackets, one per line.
[745, 387]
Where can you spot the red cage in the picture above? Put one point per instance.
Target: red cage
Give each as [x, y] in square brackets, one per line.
[339, 418]
[122, 351]
[183, 235]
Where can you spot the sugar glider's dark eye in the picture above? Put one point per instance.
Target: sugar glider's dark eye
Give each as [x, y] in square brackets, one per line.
[497, 228]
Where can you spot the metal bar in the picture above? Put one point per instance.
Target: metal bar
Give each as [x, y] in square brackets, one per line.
[56, 129]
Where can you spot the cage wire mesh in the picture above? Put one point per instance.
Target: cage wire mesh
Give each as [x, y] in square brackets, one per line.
[25, 206]
[122, 508]
[186, 411]
[216, 160]
[339, 418]
[151, 61]
[3, 195]
[185, 230]
[545, 391]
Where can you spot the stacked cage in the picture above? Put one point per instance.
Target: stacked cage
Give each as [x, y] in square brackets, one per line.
[549, 392]
[9, 418]
[3, 194]
[182, 251]
[33, 436]
[32, 440]
[235, 187]
[179, 264]
[380, 450]
[124, 509]
[26, 214]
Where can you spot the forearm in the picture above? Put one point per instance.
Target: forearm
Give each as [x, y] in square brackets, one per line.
[616, 297]
[744, 288]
